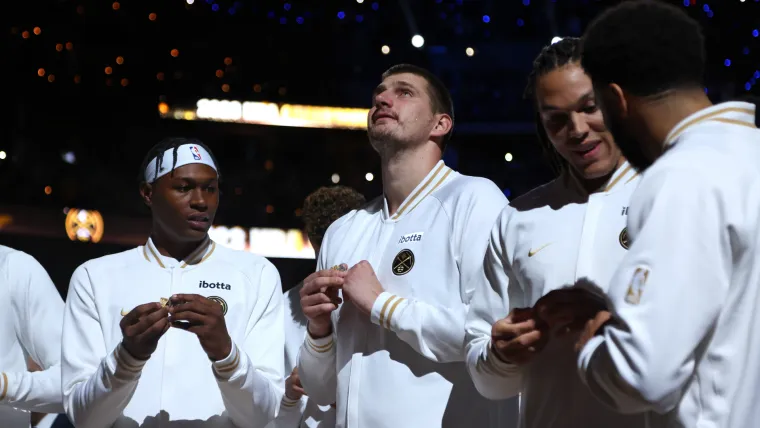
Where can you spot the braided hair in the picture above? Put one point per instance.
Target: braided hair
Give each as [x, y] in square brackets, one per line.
[554, 56]
[174, 143]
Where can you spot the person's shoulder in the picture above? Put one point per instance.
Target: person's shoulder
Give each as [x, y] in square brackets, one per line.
[242, 260]
[12, 257]
[470, 186]
[365, 213]
[110, 262]
[537, 197]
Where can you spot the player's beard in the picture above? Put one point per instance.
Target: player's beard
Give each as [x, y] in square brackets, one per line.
[632, 149]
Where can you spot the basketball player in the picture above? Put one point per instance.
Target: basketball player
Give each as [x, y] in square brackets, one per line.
[571, 227]
[393, 350]
[320, 209]
[681, 338]
[179, 331]
[31, 311]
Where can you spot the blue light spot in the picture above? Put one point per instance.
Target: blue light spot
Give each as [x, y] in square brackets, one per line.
[752, 81]
[375, 6]
[286, 6]
[341, 15]
[359, 18]
[270, 14]
[299, 20]
[486, 19]
[209, 1]
[283, 20]
[755, 33]
[459, 2]
[526, 2]
[706, 7]
[745, 51]
[757, 74]
[710, 14]
[686, 3]
[705, 90]
[520, 22]
[727, 62]
[507, 193]
[215, 7]
[747, 86]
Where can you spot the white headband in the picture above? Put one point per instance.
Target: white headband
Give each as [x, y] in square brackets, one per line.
[186, 154]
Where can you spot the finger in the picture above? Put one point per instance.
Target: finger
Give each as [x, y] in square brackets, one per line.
[154, 332]
[191, 317]
[318, 299]
[299, 390]
[317, 284]
[504, 330]
[319, 310]
[183, 298]
[196, 306]
[137, 313]
[146, 322]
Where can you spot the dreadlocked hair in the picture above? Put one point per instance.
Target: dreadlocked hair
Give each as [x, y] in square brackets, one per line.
[174, 143]
[554, 56]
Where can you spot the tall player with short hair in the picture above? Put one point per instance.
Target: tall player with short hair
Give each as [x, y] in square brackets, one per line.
[681, 338]
[573, 226]
[146, 344]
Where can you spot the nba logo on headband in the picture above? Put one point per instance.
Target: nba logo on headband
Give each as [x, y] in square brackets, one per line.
[195, 152]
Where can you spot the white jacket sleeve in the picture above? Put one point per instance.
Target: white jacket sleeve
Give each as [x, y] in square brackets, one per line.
[97, 382]
[251, 377]
[435, 331]
[291, 413]
[667, 294]
[39, 311]
[496, 293]
[316, 359]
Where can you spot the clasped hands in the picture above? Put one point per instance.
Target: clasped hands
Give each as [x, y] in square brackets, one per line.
[319, 294]
[519, 337]
[144, 325]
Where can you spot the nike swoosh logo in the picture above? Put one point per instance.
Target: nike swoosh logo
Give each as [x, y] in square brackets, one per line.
[532, 253]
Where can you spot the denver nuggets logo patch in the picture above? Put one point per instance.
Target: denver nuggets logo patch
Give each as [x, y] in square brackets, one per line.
[623, 238]
[221, 301]
[403, 262]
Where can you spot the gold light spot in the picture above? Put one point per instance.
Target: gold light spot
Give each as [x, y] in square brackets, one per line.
[160, 75]
[41, 72]
[120, 60]
[163, 108]
[228, 61]
[152, 16]
[69, 46]
[109, 70]
[51, 78]
[219, 73]
[25, 34]
[116, 5]
[59, 47]
[124, 82]
[174, 53]
[48, 190]
[37, 31]
[226, 87]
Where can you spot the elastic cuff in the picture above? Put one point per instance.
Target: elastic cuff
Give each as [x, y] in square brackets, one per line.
[321, 346]
[226, 367]
[384, 307]
[586, 354]
[289, 403]
[498, 365]
[3, 387]
[127, 363]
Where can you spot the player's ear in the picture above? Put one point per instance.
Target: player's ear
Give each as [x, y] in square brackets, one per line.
[442, 126]
[146, 193]
[615, 98]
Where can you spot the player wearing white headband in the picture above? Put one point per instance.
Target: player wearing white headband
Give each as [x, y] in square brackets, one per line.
[179, 331]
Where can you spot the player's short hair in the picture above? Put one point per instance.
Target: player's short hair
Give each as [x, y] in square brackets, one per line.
[646, 47]
[440, 97]
[556, 55]
[325, 205]
[172, 143]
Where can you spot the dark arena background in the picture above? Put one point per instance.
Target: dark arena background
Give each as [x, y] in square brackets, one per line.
[279, 90]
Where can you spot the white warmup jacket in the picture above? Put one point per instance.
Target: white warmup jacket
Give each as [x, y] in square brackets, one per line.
[403, 365]
[686, 336]
[178, 386]
[303, 413]
[546, 239]
[31, 311]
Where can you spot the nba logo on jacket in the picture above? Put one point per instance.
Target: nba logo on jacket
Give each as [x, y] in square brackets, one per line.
[196, 153]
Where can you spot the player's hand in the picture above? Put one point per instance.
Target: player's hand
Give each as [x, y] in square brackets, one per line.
[319, 297]
[141, 329]
[293, 388]
[567, 310]
[361, 286]
[517, 338]
[591, 328]
[205, 319]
